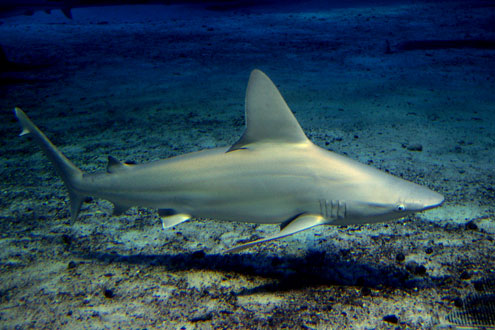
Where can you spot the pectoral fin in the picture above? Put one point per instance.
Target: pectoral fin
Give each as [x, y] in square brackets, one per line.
[170, 218]
[300, 223]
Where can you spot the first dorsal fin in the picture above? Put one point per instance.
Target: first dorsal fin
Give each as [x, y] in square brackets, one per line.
[268, 118]
[114, 165]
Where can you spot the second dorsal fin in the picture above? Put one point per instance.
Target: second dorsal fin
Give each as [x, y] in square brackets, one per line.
[114, 165]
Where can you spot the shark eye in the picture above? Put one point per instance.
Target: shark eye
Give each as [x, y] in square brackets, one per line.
[400, 208]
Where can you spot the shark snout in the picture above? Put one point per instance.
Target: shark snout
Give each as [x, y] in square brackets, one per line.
[417, 198]
[426, 199]
[434, 200]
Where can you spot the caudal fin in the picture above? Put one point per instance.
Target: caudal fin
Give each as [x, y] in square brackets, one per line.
[69, 173]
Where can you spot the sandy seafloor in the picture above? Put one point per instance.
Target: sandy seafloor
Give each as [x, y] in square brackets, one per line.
[146, 83]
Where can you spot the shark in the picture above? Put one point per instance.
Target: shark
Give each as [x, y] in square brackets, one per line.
[272, 175]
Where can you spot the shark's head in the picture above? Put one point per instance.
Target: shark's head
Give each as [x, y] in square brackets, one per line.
[388, 198]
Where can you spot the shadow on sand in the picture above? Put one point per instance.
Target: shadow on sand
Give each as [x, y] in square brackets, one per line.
[317, 268]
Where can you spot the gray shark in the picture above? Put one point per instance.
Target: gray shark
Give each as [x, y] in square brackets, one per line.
[272, 175]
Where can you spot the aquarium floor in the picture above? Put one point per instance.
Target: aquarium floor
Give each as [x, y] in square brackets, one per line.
[142, 85]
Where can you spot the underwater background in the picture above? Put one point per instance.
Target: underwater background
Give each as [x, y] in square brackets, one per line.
[407, 87]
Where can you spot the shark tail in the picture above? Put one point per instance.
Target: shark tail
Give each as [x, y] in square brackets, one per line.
[69, 173]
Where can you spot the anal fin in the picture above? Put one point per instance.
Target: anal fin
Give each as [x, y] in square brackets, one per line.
[300, 223]
[170, 218]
